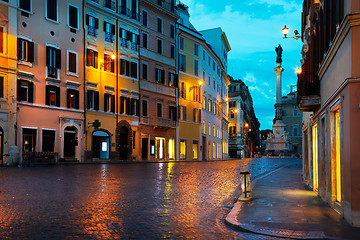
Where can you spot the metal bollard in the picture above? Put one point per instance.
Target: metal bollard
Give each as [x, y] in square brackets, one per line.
[246, 183]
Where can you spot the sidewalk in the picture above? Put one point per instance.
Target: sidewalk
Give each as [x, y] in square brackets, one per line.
[282, 207]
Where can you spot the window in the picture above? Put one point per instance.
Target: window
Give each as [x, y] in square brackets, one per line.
[295, 131]
[172, 113]
[73, 98]
[204, 55]
[159, 46]
[159, 109]
[25, 50]
[144, 71]
[295, 112]
[182, 62]
[109, 30]
[1, 87]
[91, 58]
[73, 16]
[53, 61]
[172, 51]
[159, 25]
[232, 104]
[181, 43]
[195, 150]
[183, 113]
[172, 79]
[72, 62]
[196, 115]
[25, 5]
[92, 100]
[182, 149]
[196, 67]
[183, 90]
[196, 49]
[145, 107]
[109, 63]
[145, 18]
[144, 40]
[48, 140]
[172, 31]
[214, 130]
[209, 127]
[109, 4]
[25, 91]
[51, 10]
[133, 69]
[124, 67]
[160, 75]
[213, 65]
[1, 39]
[203, 127]
[52, 95]
[134, 107]
[109, 102]
[92, 25]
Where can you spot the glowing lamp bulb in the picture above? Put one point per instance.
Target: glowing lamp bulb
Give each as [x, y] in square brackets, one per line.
[113, 56]
[298, 71]
[201, 82]
[285, 30]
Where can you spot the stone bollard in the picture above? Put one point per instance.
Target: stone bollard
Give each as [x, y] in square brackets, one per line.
[14, 158]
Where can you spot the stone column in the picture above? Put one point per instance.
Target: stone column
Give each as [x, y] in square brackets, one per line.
[278, 111]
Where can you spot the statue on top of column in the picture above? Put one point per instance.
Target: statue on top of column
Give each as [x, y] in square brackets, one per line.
[278, 51]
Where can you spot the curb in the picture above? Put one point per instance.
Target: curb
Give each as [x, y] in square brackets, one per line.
[232, 221]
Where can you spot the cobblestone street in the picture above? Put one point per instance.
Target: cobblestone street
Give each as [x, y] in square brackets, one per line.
[124, 201]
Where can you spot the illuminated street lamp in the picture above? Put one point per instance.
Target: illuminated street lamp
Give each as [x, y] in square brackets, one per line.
[201, 82]
[113, 56]
[246, 125]
[298, 71]
[285, 31]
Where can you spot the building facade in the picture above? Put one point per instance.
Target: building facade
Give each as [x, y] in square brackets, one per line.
[50, 110]
[158, 80]
[244, 134]
[292, 118]
[112, 36]
[328, 89]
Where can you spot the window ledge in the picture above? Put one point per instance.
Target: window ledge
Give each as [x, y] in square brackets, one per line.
[72, 74]
[25, 63]
[53, 21]
[54, 80]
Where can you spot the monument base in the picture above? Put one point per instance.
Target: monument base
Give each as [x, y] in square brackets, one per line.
[277, 143]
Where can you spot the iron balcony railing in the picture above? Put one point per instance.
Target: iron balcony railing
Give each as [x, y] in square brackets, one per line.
[166, 123]
[124, 42]
[130, 13]
[109, 37]
[92, 31]
[134, 46]
[109, 4]
[166, 5]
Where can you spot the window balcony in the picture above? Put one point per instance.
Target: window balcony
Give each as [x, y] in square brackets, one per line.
[134, 46]
[109, 37]
[52, 72]
[92, 31]
[164, 123]
[166, 5]
[109, 4]
[146, 120]
[129, 13]
[124, 42]
[308, 97]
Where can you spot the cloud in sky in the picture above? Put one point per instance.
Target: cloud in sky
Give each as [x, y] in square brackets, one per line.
[253, 29]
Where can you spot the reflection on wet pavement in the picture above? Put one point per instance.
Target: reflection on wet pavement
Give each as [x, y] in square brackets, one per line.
[142, 201]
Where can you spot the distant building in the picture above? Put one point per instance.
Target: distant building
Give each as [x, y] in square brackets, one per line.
[244, 135]
[292, 118]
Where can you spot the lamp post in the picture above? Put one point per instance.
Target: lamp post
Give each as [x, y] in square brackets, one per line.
[285, 31]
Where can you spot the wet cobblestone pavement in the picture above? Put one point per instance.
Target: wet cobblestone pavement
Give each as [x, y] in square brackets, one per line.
[181, 200]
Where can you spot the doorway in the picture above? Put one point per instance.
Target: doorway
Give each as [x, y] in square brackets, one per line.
[100, 145]
[123, 143]
[315, 157]
[144, 148]
[70, 142]
[204, 148]
[29, 139]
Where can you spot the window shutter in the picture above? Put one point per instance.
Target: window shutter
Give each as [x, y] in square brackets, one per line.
[120, 32]
[1, 87]
[47, 95]
[58, 58]
[96, 23]
[169, 78]
[194, 115]
[122, 103]
[156, 75]
[163, 76]
[132, 107]
[129, 35]
[128, 106]
[199, 117]
[122, 66]
[30, 92]
[176, 80]
[175, 113]
[57, 96]
[68, 92]
[87, 19]
[88, 99]
[112, 29]
[105, 102]
[137, 107]
[138, 39]
[18, 48]
[18, 92]
[77, 100]
[31, 52]
[96, 100]
[113, 103]
[96, 59]
[127, 68]
[104, 26]
[47, 56]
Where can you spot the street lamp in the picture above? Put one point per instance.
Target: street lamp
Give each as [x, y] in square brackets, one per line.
[298, 71]
[285, 31]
